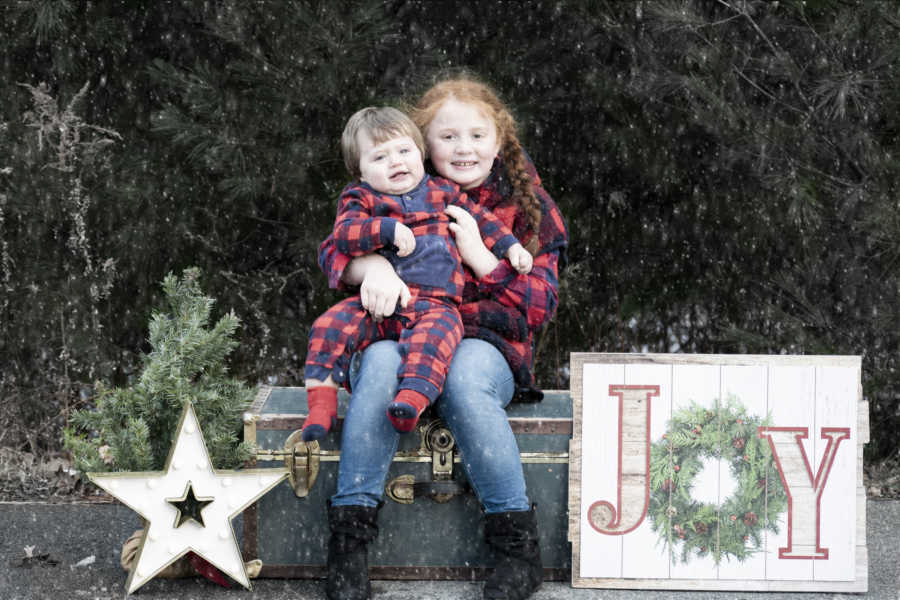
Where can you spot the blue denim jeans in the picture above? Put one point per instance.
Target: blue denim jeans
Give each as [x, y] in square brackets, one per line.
[479, 385]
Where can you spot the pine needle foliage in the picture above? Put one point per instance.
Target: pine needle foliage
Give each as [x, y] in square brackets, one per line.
[132, 428]
[728, 170]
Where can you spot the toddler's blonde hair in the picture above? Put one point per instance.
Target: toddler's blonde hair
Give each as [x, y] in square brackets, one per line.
[380, 123]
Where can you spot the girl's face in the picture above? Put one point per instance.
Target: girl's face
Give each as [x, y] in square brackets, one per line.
[462, 143]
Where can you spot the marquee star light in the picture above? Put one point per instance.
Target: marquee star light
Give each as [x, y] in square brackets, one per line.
[188, 506]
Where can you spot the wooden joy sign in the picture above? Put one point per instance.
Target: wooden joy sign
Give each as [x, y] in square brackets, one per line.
[718, 472]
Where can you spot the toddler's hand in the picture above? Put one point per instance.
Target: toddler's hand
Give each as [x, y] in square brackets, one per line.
[520, 258]
[404, 240]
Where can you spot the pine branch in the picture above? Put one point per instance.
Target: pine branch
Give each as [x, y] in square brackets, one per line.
[186, 363]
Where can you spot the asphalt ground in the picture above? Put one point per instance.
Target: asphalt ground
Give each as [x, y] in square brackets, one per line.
[64, 537]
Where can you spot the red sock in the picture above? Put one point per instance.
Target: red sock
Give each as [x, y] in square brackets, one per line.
[322, 401]
[404, 411]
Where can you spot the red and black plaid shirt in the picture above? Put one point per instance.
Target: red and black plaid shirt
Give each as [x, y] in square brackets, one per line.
[505, 307]
[366, 221]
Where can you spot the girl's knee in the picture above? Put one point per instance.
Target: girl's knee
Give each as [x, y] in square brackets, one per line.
[478, 369]
[380, 358]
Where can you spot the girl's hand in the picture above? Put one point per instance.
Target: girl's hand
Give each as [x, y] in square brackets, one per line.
[520, 258]
[381, 288]
[404, 240]
[474, 253]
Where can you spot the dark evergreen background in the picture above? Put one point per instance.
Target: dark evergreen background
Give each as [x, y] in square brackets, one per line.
[728, 168]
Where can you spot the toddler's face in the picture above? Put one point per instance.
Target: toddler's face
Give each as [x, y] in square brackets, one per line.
[462, 143]
[391, 167]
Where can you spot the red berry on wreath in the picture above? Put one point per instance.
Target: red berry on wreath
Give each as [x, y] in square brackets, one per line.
[747, 457]
[668, 485]
[733, 517]
[750, 519]
[739, 443]
[676, 468]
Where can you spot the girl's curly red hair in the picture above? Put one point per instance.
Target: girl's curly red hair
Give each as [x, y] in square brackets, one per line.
[471, 91]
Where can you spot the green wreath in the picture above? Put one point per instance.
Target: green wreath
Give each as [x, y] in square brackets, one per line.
[707, 529]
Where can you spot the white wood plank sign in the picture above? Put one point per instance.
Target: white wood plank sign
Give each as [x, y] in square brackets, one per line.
[719, 472]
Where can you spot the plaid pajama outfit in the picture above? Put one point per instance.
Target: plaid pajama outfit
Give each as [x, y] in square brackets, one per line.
[431, 327]
[504, 307]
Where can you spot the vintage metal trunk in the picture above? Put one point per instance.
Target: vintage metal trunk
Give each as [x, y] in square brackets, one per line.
[431, 525]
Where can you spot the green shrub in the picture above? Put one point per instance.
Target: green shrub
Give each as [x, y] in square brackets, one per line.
[132, 428]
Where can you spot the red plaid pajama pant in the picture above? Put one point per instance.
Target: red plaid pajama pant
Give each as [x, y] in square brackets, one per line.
[428, 331]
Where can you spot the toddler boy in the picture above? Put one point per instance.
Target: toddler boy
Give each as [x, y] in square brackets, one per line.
[395, 209]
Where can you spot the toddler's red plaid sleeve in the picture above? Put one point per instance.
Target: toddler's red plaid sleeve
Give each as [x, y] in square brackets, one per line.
[333, 263]
[356, 230]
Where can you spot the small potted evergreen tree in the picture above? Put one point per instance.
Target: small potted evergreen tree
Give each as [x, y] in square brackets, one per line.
[132, 428]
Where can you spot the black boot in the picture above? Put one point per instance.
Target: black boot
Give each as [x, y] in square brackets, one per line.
[518, 571]
[352, 528]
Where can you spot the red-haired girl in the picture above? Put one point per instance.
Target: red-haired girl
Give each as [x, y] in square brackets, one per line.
[470, 138]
